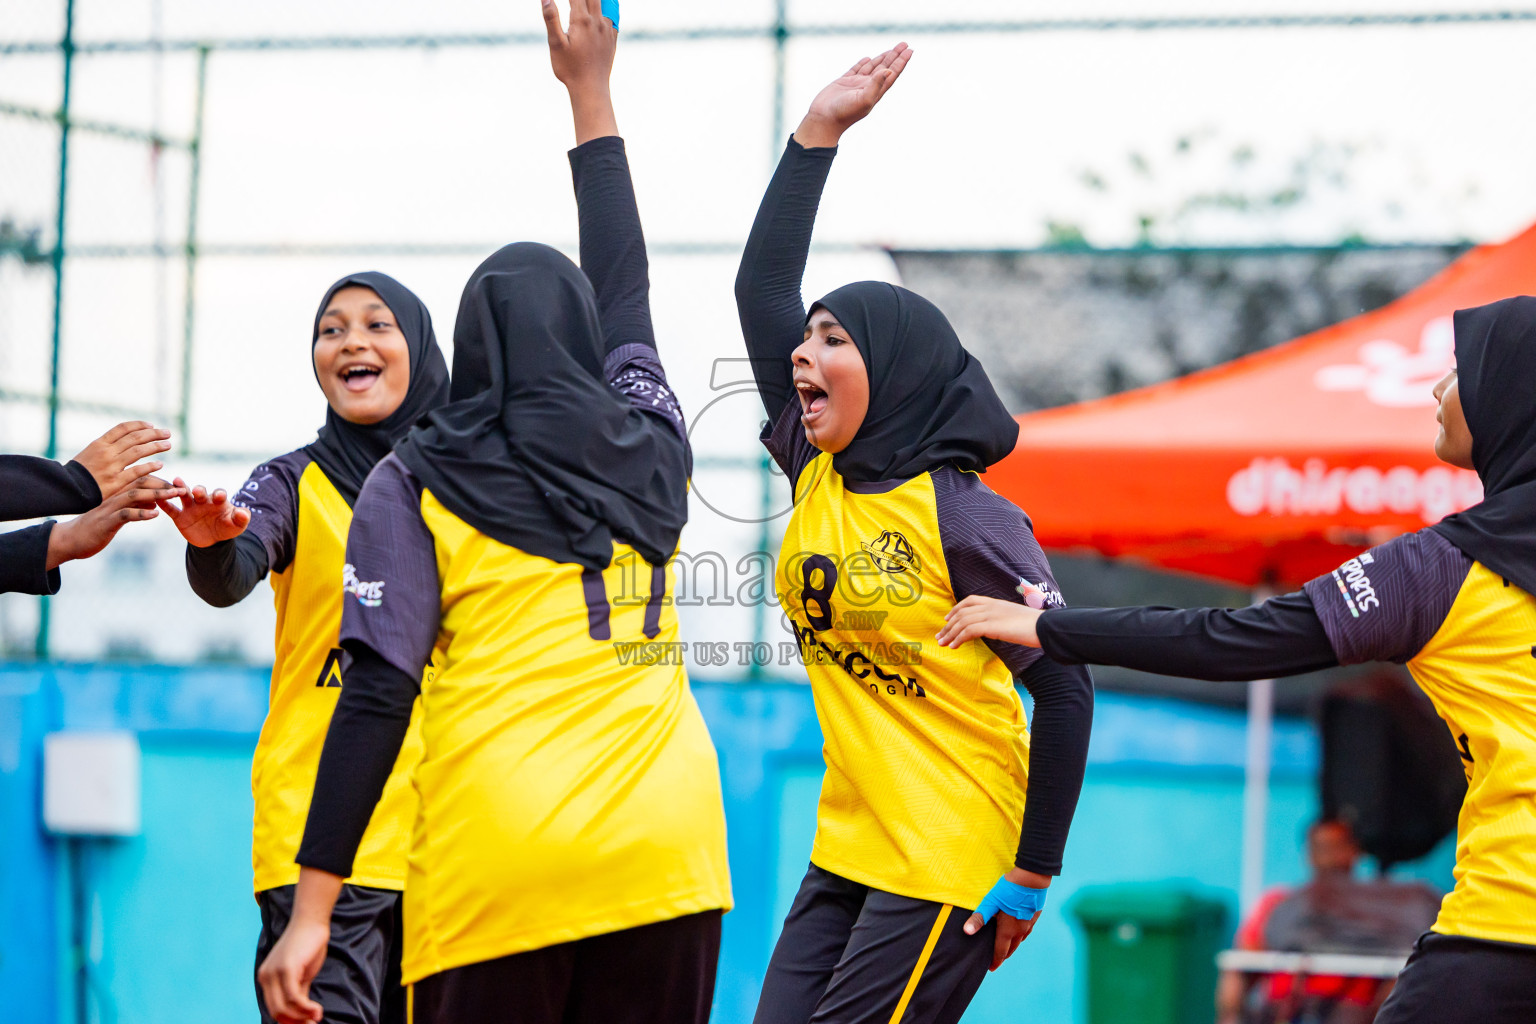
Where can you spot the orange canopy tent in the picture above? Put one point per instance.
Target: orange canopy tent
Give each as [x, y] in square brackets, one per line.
[1276, 467]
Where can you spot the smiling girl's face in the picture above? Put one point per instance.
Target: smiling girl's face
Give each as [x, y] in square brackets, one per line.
[831, 383]
[361, 357]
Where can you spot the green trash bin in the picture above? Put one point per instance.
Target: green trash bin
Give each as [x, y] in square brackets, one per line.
[1151, 952]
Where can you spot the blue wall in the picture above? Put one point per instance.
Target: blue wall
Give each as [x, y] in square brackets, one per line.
[174, 925]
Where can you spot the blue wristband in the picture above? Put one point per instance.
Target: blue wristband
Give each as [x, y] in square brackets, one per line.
[1013, 899]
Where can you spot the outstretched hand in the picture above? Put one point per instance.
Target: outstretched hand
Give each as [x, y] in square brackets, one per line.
[111, 457]
[582, 58]
[851, 97]
[203, 518]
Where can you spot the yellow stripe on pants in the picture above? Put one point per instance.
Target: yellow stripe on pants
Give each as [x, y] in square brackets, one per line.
[922, 962]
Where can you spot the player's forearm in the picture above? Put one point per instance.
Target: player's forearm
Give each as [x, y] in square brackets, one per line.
[314, 898]
[768, 283]
[1280, 637]
[592, 111]
[367, 729]
[612, 242]
[24, 561]
[225, 573]
[1058, 758]
[31, 487]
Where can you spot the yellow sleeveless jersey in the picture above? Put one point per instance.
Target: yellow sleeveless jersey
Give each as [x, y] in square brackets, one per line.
[566, 790]
[926, 747]
[1469, 639]
[303, 520]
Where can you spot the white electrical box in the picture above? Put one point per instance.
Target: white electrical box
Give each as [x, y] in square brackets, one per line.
[91, 783]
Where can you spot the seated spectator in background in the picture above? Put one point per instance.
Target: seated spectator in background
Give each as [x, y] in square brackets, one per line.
[1332, 913]
[106, 485]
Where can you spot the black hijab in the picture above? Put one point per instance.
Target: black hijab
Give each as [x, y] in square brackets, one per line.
[536, 450]
[348, 451]
[1496, 374]
[930, 401]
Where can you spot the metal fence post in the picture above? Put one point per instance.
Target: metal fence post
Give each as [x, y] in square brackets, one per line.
[67, 50]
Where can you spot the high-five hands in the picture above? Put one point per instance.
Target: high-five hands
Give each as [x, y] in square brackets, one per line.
[205, 518]
[111, 457]
[851, 97]
[87, 534]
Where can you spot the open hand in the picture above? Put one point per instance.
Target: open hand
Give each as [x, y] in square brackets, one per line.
[851, 97]
[203, 518]
[582, 55]
[285, 975]
[978, 617]
[110, 456]
[87, 534]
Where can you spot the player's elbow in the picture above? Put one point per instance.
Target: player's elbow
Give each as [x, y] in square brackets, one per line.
[1067, 688]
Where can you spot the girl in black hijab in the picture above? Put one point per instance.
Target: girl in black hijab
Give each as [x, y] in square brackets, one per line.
[882, 421]
[378, 364]
[568, 863]
[1454, 602]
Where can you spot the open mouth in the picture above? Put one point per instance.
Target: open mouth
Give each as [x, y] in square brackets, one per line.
[359, 376]
[812, 398]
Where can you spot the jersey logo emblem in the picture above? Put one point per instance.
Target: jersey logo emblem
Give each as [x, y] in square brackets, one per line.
[1355, 586]
[1040, 596]
[893, 554]
[330, 672]
[369, 594]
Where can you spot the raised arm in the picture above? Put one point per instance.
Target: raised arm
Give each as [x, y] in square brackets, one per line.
[768, 296]
[612, 243]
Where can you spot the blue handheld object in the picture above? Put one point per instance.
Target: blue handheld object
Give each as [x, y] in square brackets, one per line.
[1019, 901]
[611, 11]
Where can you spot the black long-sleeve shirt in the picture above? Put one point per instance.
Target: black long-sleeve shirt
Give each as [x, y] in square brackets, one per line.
[1384, 605]
[32, 487]
[1281, 637]
[225, 573]
[768, 297]
[373, 713]
[772, 311]
[24, 561]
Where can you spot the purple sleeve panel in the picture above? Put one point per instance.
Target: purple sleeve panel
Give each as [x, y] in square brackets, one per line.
[271, 493]
[393, 597]
[635, 372]
[1388, 603]
[991, 550]
[786, 442]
